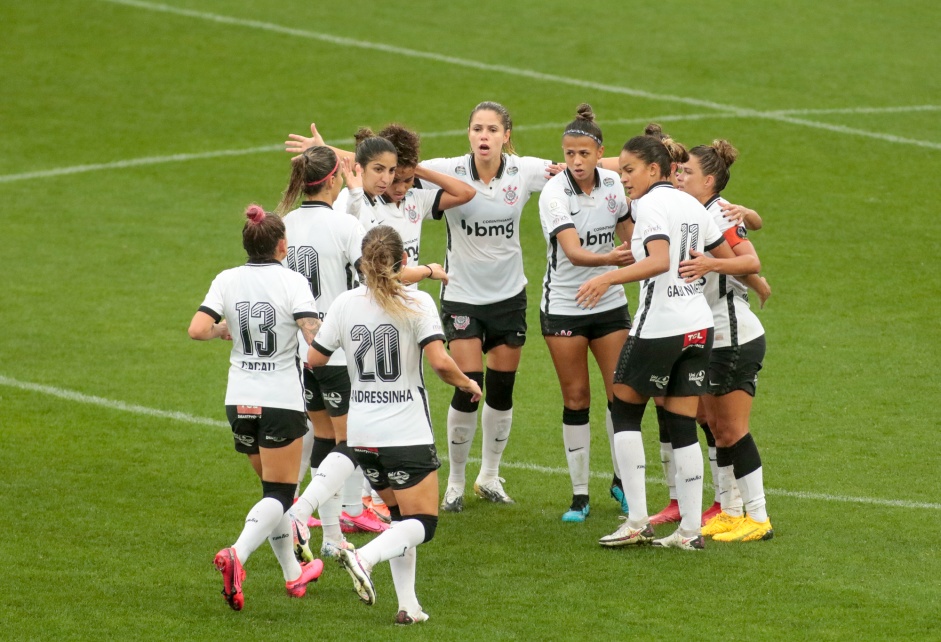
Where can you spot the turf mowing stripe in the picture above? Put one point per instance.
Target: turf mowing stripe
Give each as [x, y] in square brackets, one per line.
[205, 421]
[517, 71]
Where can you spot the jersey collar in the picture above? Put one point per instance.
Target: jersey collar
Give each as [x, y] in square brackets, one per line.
[575, 187]
[315, 204]
[711, 201]
[473, 167]
[263, 262]
[375, 201]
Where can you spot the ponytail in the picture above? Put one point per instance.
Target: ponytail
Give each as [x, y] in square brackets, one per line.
[310, 172]
[381, 265]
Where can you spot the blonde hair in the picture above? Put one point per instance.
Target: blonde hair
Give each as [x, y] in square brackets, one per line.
[381, 265]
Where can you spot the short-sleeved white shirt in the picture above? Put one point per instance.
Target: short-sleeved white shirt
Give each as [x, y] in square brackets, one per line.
[668, 305]
[484, 258]
[261, 303]
[735, 323]
[563, 205]
[324, 245]
[388, 403]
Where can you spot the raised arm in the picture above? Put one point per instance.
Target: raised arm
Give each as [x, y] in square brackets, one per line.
[296, 144]
[456, 191]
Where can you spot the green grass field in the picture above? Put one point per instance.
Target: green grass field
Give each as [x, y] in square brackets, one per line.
[134, 134]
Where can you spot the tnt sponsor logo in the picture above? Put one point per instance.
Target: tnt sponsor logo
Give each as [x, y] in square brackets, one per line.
[695, 339]
[612, 201]
[460, 321]
[489, 228]
[598, 237]
[660, 382]
[697, 377]
[511, 195]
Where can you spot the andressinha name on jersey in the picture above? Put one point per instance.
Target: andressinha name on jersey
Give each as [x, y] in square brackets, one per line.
[382, 396]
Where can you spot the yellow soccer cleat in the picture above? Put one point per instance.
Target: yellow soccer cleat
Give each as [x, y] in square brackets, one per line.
[748, 531]
[722, 523]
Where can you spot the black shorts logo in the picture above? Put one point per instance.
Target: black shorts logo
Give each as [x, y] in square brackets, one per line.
[398, 477]
[460, 321]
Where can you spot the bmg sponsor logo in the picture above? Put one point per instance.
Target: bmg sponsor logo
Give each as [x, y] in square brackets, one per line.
[488, 229]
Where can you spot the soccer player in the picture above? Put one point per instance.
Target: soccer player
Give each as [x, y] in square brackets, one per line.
[737, 354]
[667, 353]
[264, 400]
[580, 210]
[387, 328]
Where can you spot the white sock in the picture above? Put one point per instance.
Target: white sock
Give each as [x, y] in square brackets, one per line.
[609, 426]
[669, 466]
[282, 543]
[352, 493]
[329, 514]
[461, 429]
[403, 577]
[260, 521]
[629, 447]
[308, 446]
[753, 492]
[328, 479]
[714, 470]
[731, 502]
[496, 426]
[577, 440]
[689, 471]
[400, 537]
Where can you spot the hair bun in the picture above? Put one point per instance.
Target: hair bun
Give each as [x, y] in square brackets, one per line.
[362, 134]
[255, 214]
[725, 151]
[653, 129]
[585, 112]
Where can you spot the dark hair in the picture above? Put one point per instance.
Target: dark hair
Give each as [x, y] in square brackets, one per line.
[677, 151]
[309, 174]
[380, 265]
[368, 146]
[407, 143]
[501, 111]
[650, 150]
[261, 234]
[715, 160]
[584, 125]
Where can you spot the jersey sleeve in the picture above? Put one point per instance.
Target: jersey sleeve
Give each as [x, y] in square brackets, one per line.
[303, 305]
[534, 172]
[443, 165]
[554, 211]
[651, 224]
[429, 202]
[427, 323]
[733, 234]
[213, 303]
[328, 337]
[623, 211]
[713, 237]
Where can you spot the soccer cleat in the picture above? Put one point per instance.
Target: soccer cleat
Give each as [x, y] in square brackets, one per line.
[313, 522]
[711, 512]
[492, 491]
[453, 501]
[617, 494]
[365, 522]
[668, 515]
[362, 582]
[332, 549]
[578, 511]
[627, 535]
[301, 540]
[722, 523]
[309, 573]
[404, 618]
[227, 563]
[677, 540]
[380, 510]
[748, 531]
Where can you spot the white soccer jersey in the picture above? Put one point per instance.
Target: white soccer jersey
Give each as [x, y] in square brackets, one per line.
[261, 303]
[484, 259]
[324, 246]
[668, 305]
[563, 205]
[388, 404]
[735, 323]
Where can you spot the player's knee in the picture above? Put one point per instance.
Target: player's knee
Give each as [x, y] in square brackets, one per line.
[342, 449]
[462, 400]
[322, 448]
[281, 491]
[682, 429]
[662, 425]
[626, 416]
[575, 417]
[499, 389]
[430, 522]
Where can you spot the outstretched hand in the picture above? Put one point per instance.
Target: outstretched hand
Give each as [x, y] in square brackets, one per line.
[590, 292]
[296, 144]
[352, 177]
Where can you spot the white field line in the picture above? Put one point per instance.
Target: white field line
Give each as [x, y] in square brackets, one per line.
[111, 404]
[177, 158]
[514, 71]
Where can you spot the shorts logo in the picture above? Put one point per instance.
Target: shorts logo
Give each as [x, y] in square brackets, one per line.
[250, 412]
[411, 213]
[695, 339]
[308, 395]
[511, 171]
[333, 398]
[460, 322]
[660, 382]
[510, 196]
[276, 440]
[697, 377]
[612, 202]
[460, 170]
[563, 333]
[609, 182]
[398, 477]
[245, 440]
[372, 475]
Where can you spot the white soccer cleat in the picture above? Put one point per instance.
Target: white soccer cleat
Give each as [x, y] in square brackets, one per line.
[682, 542]
[453, 501]
[362, 582]
[492, 491]
[627, 535]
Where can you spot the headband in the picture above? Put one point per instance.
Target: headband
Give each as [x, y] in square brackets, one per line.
[579, 132]
[327, 177]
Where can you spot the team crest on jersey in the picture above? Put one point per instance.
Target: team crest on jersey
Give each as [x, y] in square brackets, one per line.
[511, 171]
[510, 195]
[609, 182]
[411, 213]
[460, 321]
[460, 170]
[612, 202]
